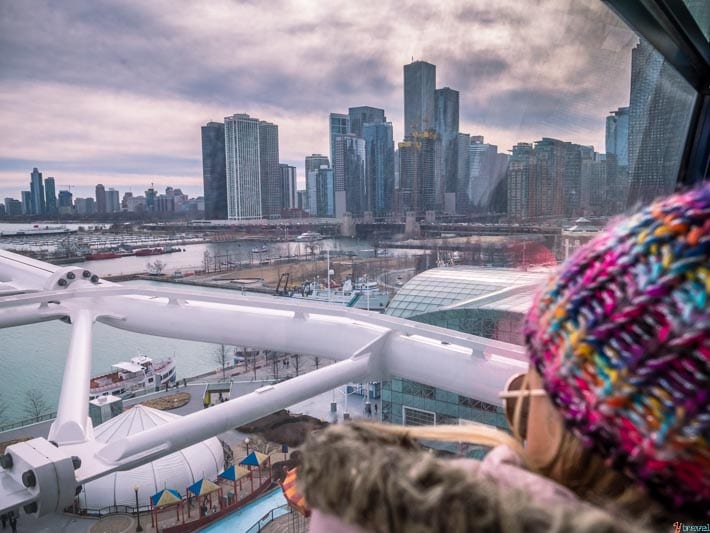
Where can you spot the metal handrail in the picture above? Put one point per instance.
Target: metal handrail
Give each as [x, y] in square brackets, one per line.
[269, 517]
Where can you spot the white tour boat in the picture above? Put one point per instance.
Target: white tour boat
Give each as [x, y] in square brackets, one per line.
[309, 236]
[140, 374]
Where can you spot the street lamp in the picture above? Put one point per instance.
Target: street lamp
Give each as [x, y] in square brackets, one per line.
[138, 514]
[246, 442]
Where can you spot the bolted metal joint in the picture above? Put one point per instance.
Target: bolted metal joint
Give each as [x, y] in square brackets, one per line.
[71, 275]
[29, 479]
[94, 279]
[76, 462]
[86, 274]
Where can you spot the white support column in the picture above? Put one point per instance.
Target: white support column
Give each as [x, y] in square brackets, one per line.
[72, 424]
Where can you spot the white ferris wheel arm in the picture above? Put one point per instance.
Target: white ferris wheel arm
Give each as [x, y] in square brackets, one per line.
[366, 346]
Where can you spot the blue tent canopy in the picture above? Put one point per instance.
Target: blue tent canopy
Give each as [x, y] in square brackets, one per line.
[202, 487]
[234, 473]
[165, 497]
[254, 459]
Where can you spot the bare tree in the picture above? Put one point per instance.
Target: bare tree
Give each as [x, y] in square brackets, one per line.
[316, 361]
[35, 404]
[296, 362]
[156, 267]
[221, 357]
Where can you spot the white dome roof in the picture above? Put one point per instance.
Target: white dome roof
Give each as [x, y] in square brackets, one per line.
[175, 471]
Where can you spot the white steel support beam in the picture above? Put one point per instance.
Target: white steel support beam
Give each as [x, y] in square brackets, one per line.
[72, 424]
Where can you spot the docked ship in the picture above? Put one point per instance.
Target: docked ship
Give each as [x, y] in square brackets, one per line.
[107, 255]
[140, 374]
[156, 251]
[361, 295]
[309, 236]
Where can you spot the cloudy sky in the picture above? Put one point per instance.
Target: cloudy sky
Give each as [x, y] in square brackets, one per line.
[116, 91]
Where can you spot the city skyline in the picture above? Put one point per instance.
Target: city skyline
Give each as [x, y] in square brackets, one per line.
[102, 111]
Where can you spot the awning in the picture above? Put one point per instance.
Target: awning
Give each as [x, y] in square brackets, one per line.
[234, 473]
[254, 459]
[203, 487]
[165, 497]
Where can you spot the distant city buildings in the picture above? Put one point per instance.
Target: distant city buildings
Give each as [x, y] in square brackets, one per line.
[100, 199]
[37, 198]
[50, 195]
[288, 186]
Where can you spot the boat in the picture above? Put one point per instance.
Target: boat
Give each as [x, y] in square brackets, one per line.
[106, 255]
[149, 251]
[261, 250]
[309, 236]
[138, 375]
[361, 295]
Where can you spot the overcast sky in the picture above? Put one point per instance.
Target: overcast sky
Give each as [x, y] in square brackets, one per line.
[116, 91]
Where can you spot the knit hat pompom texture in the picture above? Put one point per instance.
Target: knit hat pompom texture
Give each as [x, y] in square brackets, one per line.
[621, 338]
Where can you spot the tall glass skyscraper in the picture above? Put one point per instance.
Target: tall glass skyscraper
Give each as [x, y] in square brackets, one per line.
[288, 186]
[270, 174]
[50, 195]
[100, 199]
[659, 112]
[349, 175]
[214, 172]
[447, 128]
[36, 193]
[241, 133]
[379, 150]
[359, 116]
[419, 97]
[338, 124]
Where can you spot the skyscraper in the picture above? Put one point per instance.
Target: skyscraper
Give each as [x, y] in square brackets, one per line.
[315, 161]
[359, 116]
[483, 170]
[242, 160]
[447, 128]
[379, 152]
[37, 206]
[416, 172]
[214, 172]
[66, 203]
[419, 97]
[320, 188]
[548, 192]
[50, 196]
[100, 199]
[617, 135]
[463, 172]
[349, 175]
[660, 106]
[270, 174]
[26, 202]
[288, 186]
[338, 124]
[112, 201]
[520, 177]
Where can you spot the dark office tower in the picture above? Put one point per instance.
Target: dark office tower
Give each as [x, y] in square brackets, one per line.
[594, 196]
[463, 172]
[338, 124]
[521, 174]
[483, 177]
[100, 199]
[315, 161]
[26, 202]
[151, 202]
[659, 113]
[379, 150]
[349, 175]
[419, 97]
[320, 192]
[576, 155]
[288, 186]
[13, 207]
[50, 195]
[214, 171]
[498, 202]
[550, 178]
[37, 206]
[617, 160]
[66, 201]
[416, 172]
[269, 170]
[447, 126]
[359, 116]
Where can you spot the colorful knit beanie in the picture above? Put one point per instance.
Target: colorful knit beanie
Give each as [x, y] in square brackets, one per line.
[621, 338]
